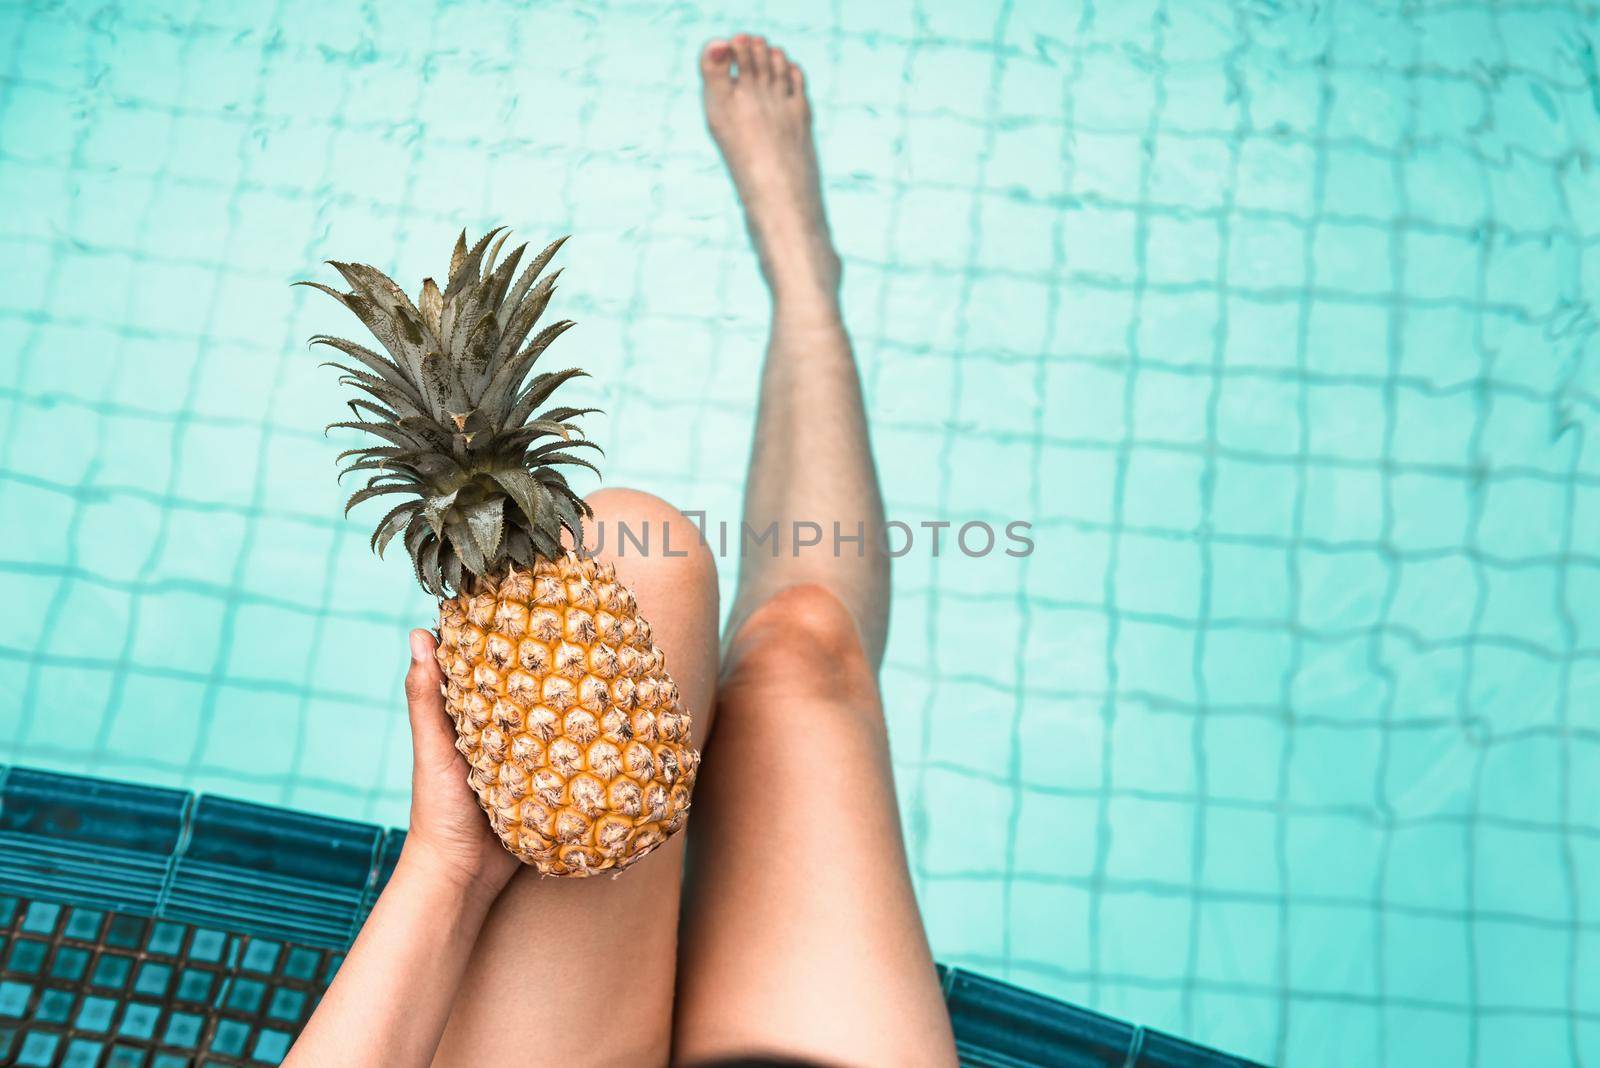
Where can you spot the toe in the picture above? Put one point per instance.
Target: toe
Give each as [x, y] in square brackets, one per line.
[715, 60]
[760, 59]
[780, 69]
[797, 80]
[742, 57]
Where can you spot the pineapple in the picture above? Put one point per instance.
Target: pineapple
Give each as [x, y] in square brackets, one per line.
[576, 743]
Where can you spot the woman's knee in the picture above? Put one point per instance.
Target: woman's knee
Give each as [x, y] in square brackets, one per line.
[805, 636]
[653, 536]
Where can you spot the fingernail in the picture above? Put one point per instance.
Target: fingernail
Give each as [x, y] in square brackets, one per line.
[419, 646]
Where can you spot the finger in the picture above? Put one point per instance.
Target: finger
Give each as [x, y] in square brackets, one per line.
[432, 735]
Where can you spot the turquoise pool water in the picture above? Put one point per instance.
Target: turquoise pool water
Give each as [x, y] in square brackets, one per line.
[1276, 320]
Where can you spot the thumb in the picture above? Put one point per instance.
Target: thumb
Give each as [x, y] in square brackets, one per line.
[432, 736]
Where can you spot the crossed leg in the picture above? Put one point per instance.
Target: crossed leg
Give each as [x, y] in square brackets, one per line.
[581, 971]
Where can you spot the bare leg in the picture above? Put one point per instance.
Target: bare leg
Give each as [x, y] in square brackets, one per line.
[581, 970]
[801, 936]
[811, 462]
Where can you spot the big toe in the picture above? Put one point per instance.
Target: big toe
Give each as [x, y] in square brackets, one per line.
[716, 62]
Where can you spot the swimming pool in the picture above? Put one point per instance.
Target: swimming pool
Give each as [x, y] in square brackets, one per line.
[1274, 320]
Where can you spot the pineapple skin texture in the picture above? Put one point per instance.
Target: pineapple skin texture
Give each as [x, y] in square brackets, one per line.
[577, 744]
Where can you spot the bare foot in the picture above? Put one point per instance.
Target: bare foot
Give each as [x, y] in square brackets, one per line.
[756, 106]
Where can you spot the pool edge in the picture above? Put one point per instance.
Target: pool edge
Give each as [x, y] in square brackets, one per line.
[307, 879]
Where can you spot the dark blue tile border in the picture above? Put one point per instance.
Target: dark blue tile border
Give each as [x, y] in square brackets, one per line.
[289, 874]
[207, 860]
[277, 873]
[89, 841]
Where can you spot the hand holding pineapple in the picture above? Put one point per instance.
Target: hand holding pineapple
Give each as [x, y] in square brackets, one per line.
[447, 832]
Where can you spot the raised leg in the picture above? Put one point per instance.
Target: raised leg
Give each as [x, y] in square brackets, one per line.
[580, 971]
[801, 936]
[811, 476]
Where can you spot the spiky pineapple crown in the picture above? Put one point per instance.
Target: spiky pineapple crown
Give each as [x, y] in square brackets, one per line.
[454, 406]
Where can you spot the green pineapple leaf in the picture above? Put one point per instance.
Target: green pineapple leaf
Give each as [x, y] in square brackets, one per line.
[450, 396]
[485, 522]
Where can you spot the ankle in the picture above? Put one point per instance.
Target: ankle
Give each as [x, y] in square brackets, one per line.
[805, 306]
[804, 282]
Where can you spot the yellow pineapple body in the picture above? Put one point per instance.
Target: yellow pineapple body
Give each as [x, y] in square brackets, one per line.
[577, 745]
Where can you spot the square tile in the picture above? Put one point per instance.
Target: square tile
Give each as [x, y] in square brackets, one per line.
[1151, 841]
[1433, 342]
[1062, 742]
[1153, 661]
[1519, 964]
[1450, 175]
[1238, 941]
[1245, 666]
[1353, 258]
[179, 630]
[1143, 934]
[1163, 488]
[1522, 872]
[1249, 583]
[1159, 577]
[1093, 320]
[970, 727]
[1049, 924]
[1106, 165]
[1335, 768]
[1032, 158]
[1340, 589]
[965, 918]
[1538, 1036]
[976, 810]
[1528, 604]
[1169, 407]
[1189, 172]
[1100, 241]
[1521, 518]
[1440, 266]
[1332, 949]
[1429, 771]
[1332, 1032]
[1266, 253]
[1057, 836]
[1200, 98]
[1253, 499]
[26, 956]
[1344, 505]
[1337, 683]
[1335, 855]
[1435, 597]
[1176, 327]
[1086, 487]
[248, 731]
[1241, 856]
[1258, 415]
[1086, 400]
[1351, 340]
[1275, 175]
[1181, 252]
[1513, 689]
[1152, 750]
